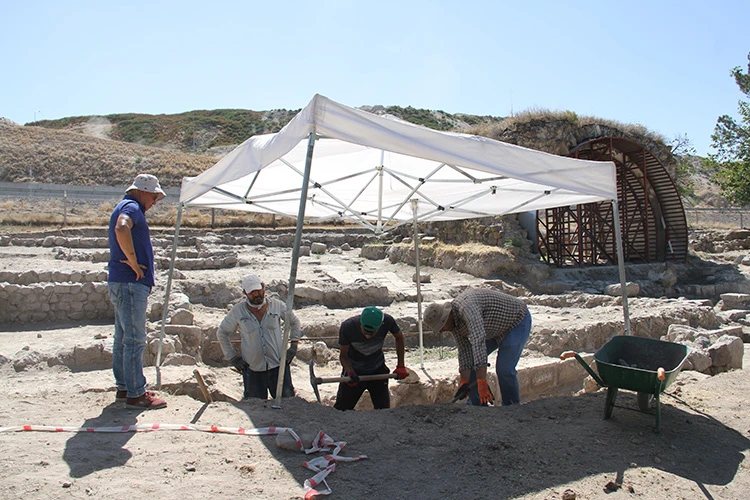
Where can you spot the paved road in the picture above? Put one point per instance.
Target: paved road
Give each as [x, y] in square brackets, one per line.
[37, 190]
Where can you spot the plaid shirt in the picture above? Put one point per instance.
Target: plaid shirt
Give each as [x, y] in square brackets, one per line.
[480, 314]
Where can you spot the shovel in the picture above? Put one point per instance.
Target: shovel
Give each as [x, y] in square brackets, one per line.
[464, 392]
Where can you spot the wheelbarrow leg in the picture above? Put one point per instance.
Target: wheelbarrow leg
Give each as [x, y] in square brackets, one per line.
[658, 413]
[609, 404]
[644, 400]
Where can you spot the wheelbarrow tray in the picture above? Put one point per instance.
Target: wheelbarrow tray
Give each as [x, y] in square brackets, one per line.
[631, 363]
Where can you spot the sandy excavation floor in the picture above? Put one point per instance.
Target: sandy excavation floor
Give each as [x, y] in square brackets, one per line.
[551, 448]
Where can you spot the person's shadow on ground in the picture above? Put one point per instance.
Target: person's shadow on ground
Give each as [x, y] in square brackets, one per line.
[88, 452]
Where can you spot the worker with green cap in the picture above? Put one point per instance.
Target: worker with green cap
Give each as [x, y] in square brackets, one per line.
[361, 340]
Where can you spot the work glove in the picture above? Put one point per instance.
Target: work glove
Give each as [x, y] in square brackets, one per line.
[353, 378]
[290, 353]
[401, 372]
[238, 363]
[485, 394]
[463, 390]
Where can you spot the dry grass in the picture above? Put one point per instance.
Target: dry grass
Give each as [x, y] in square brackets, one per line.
[539, 114]
[35, 154]
[555, 131]
[20, 215]
[438, 248]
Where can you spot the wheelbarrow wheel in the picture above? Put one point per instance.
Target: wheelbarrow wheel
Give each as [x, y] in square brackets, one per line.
[644, 401]
[609, 404]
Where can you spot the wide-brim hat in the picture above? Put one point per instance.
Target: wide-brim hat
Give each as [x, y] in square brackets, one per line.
[148, 183]
[436, 315]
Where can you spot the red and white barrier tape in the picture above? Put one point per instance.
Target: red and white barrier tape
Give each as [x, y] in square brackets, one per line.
[323, 465]
[262, 431]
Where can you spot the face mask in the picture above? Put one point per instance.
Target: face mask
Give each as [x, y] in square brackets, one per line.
[256, 302]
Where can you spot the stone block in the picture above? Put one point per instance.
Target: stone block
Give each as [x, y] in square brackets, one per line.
[309, 294]
[190, 336]
[181, 317]
[318, 248]
[615, 290]
[374, 252]
[179, 359]
[735, 301]
[93, 355]
[727, 352]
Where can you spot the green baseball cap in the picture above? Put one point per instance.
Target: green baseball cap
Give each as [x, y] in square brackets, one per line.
[371, 319]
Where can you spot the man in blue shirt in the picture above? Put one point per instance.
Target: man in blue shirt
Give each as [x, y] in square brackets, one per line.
[131, 277]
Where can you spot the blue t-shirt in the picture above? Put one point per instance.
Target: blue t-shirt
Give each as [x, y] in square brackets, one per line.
[120, 272]
[366, 355]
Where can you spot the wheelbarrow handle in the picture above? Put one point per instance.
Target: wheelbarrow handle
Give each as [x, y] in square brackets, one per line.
[661, 373]
[570, 354]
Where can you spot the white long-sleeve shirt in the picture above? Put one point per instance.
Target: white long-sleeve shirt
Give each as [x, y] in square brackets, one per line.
[261, 341]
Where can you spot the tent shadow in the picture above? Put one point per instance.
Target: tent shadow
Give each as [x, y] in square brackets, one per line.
[292, 414]
[89, 452]
[510, 451]
[692, 445]
[575, 442]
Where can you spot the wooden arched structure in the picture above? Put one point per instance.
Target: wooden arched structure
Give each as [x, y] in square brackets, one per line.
[654, 228]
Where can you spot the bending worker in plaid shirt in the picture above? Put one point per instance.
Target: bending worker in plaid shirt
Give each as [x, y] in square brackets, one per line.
[482, 320]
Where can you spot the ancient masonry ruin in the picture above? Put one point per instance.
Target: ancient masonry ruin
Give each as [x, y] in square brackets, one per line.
[47, 297]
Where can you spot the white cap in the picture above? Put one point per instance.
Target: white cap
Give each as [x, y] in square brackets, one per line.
[251, 283]
[148, 183]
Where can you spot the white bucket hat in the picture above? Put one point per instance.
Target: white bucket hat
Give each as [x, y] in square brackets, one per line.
[148, 183]
[436, 315]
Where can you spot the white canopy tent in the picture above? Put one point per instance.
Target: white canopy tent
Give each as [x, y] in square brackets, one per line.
[336, 162]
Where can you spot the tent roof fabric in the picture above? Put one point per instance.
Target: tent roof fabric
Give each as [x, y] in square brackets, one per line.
[376, 170]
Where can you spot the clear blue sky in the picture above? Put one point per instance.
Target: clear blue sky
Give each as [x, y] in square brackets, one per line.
[661, 64]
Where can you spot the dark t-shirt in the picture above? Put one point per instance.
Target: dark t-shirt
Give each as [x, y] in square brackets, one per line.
[366, 355]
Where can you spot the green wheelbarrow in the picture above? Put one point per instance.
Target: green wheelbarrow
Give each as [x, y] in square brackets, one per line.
[646, 366]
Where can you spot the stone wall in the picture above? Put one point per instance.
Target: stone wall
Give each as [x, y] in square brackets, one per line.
[500, 231]
[53, 296]
[561, 135]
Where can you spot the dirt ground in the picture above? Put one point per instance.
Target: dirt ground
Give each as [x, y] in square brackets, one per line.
[551, 448]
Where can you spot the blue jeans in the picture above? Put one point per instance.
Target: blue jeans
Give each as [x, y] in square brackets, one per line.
[508, 353]
[130, 301]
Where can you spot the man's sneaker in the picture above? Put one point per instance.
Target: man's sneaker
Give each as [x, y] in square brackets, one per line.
[148, 401]
[121, 396]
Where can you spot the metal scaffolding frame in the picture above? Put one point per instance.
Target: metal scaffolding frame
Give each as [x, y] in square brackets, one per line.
[653, 222]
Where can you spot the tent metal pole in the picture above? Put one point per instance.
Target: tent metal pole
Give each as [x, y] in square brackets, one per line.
[167, 293]
[415, 209]
[293, 270]
[380, 191]
[621, 265]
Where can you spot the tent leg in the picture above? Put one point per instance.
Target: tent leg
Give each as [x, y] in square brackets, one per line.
[414, 207]
[165, 312]
[621, 265]
[293, 270]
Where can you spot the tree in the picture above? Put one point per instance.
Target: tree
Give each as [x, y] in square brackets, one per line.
[685, 158]
[732, 143]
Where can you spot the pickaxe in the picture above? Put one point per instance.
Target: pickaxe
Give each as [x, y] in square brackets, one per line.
[315, 381]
